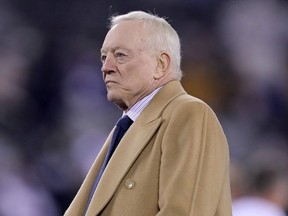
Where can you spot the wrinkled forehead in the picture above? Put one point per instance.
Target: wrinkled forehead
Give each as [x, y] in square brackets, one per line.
[126, 33]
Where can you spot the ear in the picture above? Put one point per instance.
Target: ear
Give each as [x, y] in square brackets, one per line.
[163, 64]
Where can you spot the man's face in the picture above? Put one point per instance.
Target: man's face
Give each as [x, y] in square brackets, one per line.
[128, 64]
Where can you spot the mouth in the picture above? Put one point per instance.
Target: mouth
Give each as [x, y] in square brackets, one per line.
[109, 81]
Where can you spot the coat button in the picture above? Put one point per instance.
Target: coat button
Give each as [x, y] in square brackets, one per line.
[129, 184]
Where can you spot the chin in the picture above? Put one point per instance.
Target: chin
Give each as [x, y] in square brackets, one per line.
[112, 97]
[116, 99]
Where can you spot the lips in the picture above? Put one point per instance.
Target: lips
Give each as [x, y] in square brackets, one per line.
[109, 81]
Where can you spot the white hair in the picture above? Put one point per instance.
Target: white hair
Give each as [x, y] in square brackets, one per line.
[163, 36]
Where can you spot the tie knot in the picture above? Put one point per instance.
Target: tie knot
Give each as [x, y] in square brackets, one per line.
[124, 122]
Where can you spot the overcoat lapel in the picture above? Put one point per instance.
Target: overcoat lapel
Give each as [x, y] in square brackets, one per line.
[122, 159]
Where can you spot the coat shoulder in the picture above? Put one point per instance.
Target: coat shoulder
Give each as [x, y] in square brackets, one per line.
[187, 103]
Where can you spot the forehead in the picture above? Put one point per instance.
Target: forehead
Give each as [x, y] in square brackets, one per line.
[126, 34]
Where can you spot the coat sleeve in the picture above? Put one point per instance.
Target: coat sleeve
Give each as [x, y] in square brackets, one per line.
[194, 171]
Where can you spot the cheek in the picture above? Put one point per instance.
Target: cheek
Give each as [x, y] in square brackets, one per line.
[144, 70]
[140, 80]
[136, 74]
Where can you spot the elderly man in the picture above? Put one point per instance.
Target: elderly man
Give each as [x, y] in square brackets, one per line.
[173, 160]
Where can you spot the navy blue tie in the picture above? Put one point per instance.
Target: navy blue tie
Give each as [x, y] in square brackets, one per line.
[122, 126]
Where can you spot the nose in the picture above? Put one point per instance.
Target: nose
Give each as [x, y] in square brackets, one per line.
[109, 64]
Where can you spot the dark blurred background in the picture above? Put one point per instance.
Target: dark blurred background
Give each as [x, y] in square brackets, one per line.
[54, 115]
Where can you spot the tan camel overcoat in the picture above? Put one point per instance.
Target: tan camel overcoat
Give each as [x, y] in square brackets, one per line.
[173, 161]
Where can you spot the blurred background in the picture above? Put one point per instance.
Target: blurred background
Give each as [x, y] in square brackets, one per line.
[54, 115]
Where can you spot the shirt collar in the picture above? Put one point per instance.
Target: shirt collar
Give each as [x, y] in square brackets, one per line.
[137, 108]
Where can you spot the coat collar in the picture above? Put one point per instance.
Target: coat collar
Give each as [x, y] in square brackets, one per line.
[131, 145]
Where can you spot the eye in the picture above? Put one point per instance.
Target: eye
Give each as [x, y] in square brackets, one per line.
[119, 54]
[103, 58]
[120, 57]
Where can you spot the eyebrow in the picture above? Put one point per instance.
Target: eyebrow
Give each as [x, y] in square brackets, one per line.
[113, 49]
